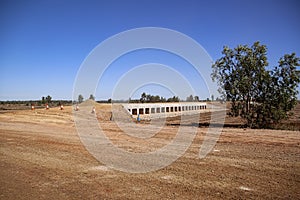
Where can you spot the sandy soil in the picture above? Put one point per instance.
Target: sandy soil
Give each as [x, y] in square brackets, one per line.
[42, 157]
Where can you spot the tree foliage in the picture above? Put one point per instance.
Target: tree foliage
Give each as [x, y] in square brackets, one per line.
[148, 98]
[143, 97]
[80, 98]
[92, 97]
[262, 97]
[173, 99]
[190, 98]
[48, 99]
[43, 100]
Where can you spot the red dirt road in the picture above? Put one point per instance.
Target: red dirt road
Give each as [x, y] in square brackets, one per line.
[42, 157]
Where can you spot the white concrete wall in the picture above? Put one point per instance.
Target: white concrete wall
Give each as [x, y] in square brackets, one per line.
[161, 110]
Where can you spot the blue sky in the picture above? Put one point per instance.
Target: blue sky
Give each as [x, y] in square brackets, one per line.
[44, 43]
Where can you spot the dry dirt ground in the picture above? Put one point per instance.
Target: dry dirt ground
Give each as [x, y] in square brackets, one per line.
[42, 157]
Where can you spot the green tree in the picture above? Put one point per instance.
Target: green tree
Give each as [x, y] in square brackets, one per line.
[156, 98]
[190, 98]
[80, 98]
[281, 91]
[92, 97]
[43, 100]
[173, 99]
[176, 99]
[143, 97]
[149, 98]
[260, 96]
[163, 99]
[48, 99]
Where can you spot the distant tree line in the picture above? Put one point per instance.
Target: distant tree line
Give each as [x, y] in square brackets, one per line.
[81, 98]
[46, 99]
[148, 98]
[36, 102]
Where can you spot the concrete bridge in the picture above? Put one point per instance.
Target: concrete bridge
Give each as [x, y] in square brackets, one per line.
[162, 110]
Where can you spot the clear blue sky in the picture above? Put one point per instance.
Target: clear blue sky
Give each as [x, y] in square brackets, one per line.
[43, 43]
